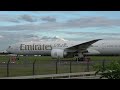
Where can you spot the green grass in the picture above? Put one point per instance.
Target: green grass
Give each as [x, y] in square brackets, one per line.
[24, 66]
[105, 57]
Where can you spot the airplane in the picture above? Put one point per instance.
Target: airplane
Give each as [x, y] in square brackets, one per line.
[67, 49]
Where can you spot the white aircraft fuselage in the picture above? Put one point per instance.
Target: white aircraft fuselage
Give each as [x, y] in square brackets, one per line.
[102, 47]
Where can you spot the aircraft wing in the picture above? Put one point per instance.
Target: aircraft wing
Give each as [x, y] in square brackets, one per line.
[81, 47]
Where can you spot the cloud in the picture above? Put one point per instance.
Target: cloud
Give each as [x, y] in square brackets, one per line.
[35, 38]
[55, 38]
[63, 12]
[28, 18]
[49, 19]
[74, 23]
[8, 18]
[1, 37]
[17, 19]
[93, 35]
[18, 37]
[19, 27]
[30, 36]
[32, 26]
[92, 22]
[23, 39]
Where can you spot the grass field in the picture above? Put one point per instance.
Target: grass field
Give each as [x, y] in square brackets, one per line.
[40, 58]
[45, 65]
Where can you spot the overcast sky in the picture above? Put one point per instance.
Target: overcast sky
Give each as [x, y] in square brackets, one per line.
[20, 26]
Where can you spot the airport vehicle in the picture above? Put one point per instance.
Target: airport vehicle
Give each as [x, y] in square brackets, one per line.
[67, 49]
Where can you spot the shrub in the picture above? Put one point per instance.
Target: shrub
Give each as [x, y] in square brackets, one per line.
[109, 71]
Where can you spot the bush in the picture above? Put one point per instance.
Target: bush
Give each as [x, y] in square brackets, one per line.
[109, 71]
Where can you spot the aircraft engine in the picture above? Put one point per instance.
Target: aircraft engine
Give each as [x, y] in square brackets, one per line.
[58, 53]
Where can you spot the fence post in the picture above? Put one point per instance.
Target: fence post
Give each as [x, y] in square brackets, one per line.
[103, 64]
[70, 67]
[8, 68]
[34, 67]
[56, 67]
[87, 65]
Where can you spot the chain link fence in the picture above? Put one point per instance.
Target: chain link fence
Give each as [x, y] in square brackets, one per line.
[39, 67]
